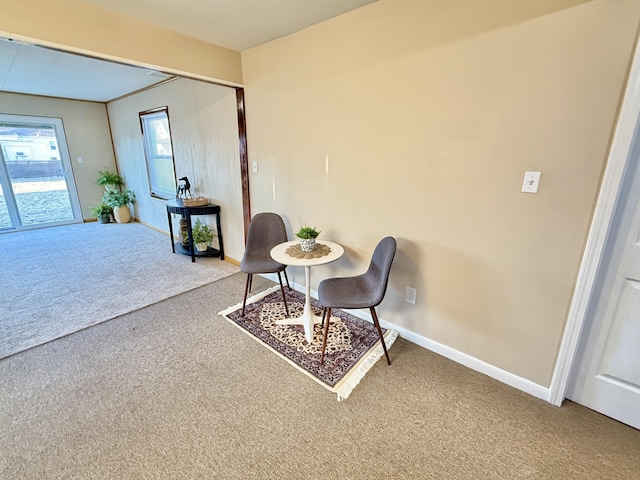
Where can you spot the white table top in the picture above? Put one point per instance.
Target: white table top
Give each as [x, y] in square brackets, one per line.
[279, 255]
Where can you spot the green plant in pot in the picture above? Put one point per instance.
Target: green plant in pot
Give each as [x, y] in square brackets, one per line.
[202, 235]
[102, 212]
[120, 201]
[307, 236]
[114, 197]
[110, 180]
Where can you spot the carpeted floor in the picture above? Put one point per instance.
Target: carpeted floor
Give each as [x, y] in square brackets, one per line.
[59, 280]
[174, 391]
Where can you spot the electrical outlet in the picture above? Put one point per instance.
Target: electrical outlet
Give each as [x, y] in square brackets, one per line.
[410, 295]
[255, 167]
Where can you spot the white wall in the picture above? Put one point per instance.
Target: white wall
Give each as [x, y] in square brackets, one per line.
[204, 131]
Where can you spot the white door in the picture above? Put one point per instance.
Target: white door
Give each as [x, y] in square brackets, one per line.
[37, 187]
[607, 373]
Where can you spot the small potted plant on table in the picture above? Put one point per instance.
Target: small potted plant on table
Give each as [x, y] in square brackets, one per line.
[202, 235]
[307, 236]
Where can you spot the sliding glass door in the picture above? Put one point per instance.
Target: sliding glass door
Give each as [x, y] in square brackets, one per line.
[36, 181]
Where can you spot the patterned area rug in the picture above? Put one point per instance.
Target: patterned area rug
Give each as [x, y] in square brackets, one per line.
[353, 346]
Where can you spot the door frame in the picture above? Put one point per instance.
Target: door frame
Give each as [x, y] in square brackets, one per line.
[65, 159]
[599, 236]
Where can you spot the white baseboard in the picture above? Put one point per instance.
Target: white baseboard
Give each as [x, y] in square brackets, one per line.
[492, 371]
[473, 363]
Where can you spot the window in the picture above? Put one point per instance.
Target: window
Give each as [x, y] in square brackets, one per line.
[158, 152]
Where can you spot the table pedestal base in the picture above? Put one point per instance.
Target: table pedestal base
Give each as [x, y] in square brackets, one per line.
[308, 321]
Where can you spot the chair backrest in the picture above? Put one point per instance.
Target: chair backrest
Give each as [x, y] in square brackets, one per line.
[377, 276]
[266, 230]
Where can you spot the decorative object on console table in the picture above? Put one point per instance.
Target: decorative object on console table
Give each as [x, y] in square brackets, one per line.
[307, 236]
[184, 188]
[184, 195]
[184, 234]
[202, 235]
[195, 201]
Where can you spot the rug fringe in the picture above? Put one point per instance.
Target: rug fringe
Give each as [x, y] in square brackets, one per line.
[345, 389]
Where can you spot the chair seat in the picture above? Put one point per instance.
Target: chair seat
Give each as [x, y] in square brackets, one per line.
[261, 265]
[351, 292]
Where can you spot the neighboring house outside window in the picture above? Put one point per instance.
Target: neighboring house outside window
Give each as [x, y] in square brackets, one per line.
[158, 152]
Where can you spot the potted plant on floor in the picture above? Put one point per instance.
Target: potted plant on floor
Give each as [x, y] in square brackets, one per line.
[102, 212]
[202, 235]
[120, 201]
[110, 180]
[114, 197]
[307, 236]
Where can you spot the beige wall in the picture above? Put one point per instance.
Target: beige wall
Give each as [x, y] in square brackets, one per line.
[418, 119]
[86, 128]
[87, 29]
[204, 132]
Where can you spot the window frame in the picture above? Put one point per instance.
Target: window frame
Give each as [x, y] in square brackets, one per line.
[154, 190]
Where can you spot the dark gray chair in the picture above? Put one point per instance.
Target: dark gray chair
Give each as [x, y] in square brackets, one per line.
[362, 291]
[266, 230]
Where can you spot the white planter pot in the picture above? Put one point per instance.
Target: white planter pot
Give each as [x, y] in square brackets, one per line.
[122, 214]
[202, 246]
[307, 244]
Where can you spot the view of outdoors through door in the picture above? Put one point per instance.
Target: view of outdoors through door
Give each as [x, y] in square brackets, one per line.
[36, 182]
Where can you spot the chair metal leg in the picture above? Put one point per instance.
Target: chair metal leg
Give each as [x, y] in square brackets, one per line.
[377, 324]
[246, 291]
[324, 311]
[326, 332]
[287, 279]
[284, 297]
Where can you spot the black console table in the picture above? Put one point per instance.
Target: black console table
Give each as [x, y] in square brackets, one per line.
[176, 206]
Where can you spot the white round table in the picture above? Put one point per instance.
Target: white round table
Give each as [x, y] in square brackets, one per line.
[278, 253]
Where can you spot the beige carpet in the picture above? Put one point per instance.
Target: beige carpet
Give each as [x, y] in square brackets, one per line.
[59, 280]
[174, 391]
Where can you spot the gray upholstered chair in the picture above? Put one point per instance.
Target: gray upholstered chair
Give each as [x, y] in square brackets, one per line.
[266, 230]
[362, 291]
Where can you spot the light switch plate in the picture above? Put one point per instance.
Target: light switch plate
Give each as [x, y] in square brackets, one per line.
[410, 295]
[531, 182]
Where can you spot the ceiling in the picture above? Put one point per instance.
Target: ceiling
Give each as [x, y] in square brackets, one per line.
[235, 24]
[42, 71]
